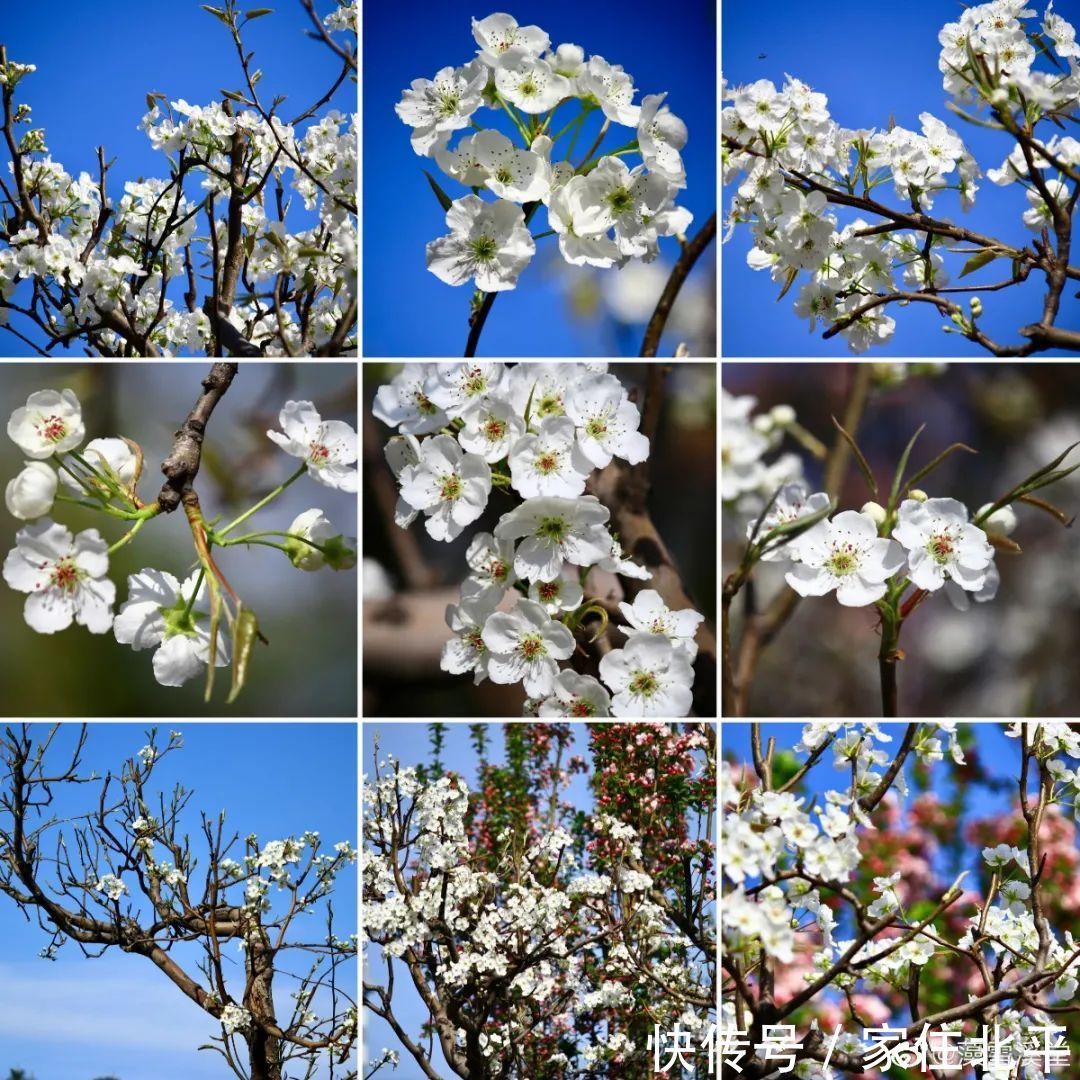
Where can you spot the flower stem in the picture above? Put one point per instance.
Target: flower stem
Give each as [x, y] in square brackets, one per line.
[512, 113]
[479, 317]
[596, 145]
[887, 659]
[260, 504]
[129, 535]
[590, 162]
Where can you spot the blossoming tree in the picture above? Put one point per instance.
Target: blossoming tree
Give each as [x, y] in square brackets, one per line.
[546, 942]
[193, 626]
[78, 266]
[603, 212]
[793, 163]
[122, 876]
[547, 436]
[845, 949]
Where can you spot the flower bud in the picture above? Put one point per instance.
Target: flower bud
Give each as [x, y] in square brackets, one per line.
[31, 493]
[782, 415]
[334, 550]
[107, 455]
[763, 423]
[1000, 523]
[976, 307]
[999, 97]
[875, 511]
[918, 495]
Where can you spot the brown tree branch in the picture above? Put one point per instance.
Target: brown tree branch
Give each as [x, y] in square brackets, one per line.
[182, 465]
[679, 273]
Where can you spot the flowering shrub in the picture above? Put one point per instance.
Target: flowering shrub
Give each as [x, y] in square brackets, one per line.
[545, 942]
[123, 876]
[792, 162]
[893, 554]
[66, 577]
[538, 432]
[836, 916]
[99, 269]
[604, 212]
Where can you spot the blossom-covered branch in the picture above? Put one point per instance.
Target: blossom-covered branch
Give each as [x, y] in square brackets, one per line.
[792, 162]
[80, 267]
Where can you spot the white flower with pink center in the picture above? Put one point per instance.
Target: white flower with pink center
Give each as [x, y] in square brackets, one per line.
[328, 447]
[550, 462]
[845, 554]
[651, 615]
[941, 543]
[525, 644]
[448, 485]
[50, 423]
[65, 578]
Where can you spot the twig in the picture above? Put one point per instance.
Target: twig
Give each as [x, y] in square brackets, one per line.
[182, 465]
[690, 254]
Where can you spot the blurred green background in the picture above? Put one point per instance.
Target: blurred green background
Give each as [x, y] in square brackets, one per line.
[309, 668]
[1013, 656]
[682, 503]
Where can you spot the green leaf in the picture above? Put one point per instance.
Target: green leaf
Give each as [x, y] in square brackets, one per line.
[937, 461]
[977, 262]
[312, 252]
[258, 13]
[215, 623]
[218, 14]
[245, 633]
[444, 200]
[898, 476]
[864, 467]
[235, 95]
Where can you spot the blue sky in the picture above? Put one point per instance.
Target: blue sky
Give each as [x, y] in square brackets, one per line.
[853, 56]
[77, 1018]
[407, 310]
[86, 93]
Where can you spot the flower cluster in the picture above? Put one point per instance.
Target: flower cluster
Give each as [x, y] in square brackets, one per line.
[794, 879]
[604, 212]
[933, 545]
[746, 481]
[66, 576]
[791, 161]
[537, 430]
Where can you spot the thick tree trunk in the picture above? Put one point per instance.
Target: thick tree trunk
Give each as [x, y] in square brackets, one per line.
[264, 1050]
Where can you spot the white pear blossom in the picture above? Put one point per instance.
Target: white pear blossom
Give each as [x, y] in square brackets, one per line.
[174, 619]
[524, 645]
[941, 543]
[328, 447]
[64, 575]
[488, 243]
[651, 615]
[448, 485]
[49, 423]
[576, 695]
[845, 554]
[649, 677]
[550, 462]
[553, 531]
[434, 108]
